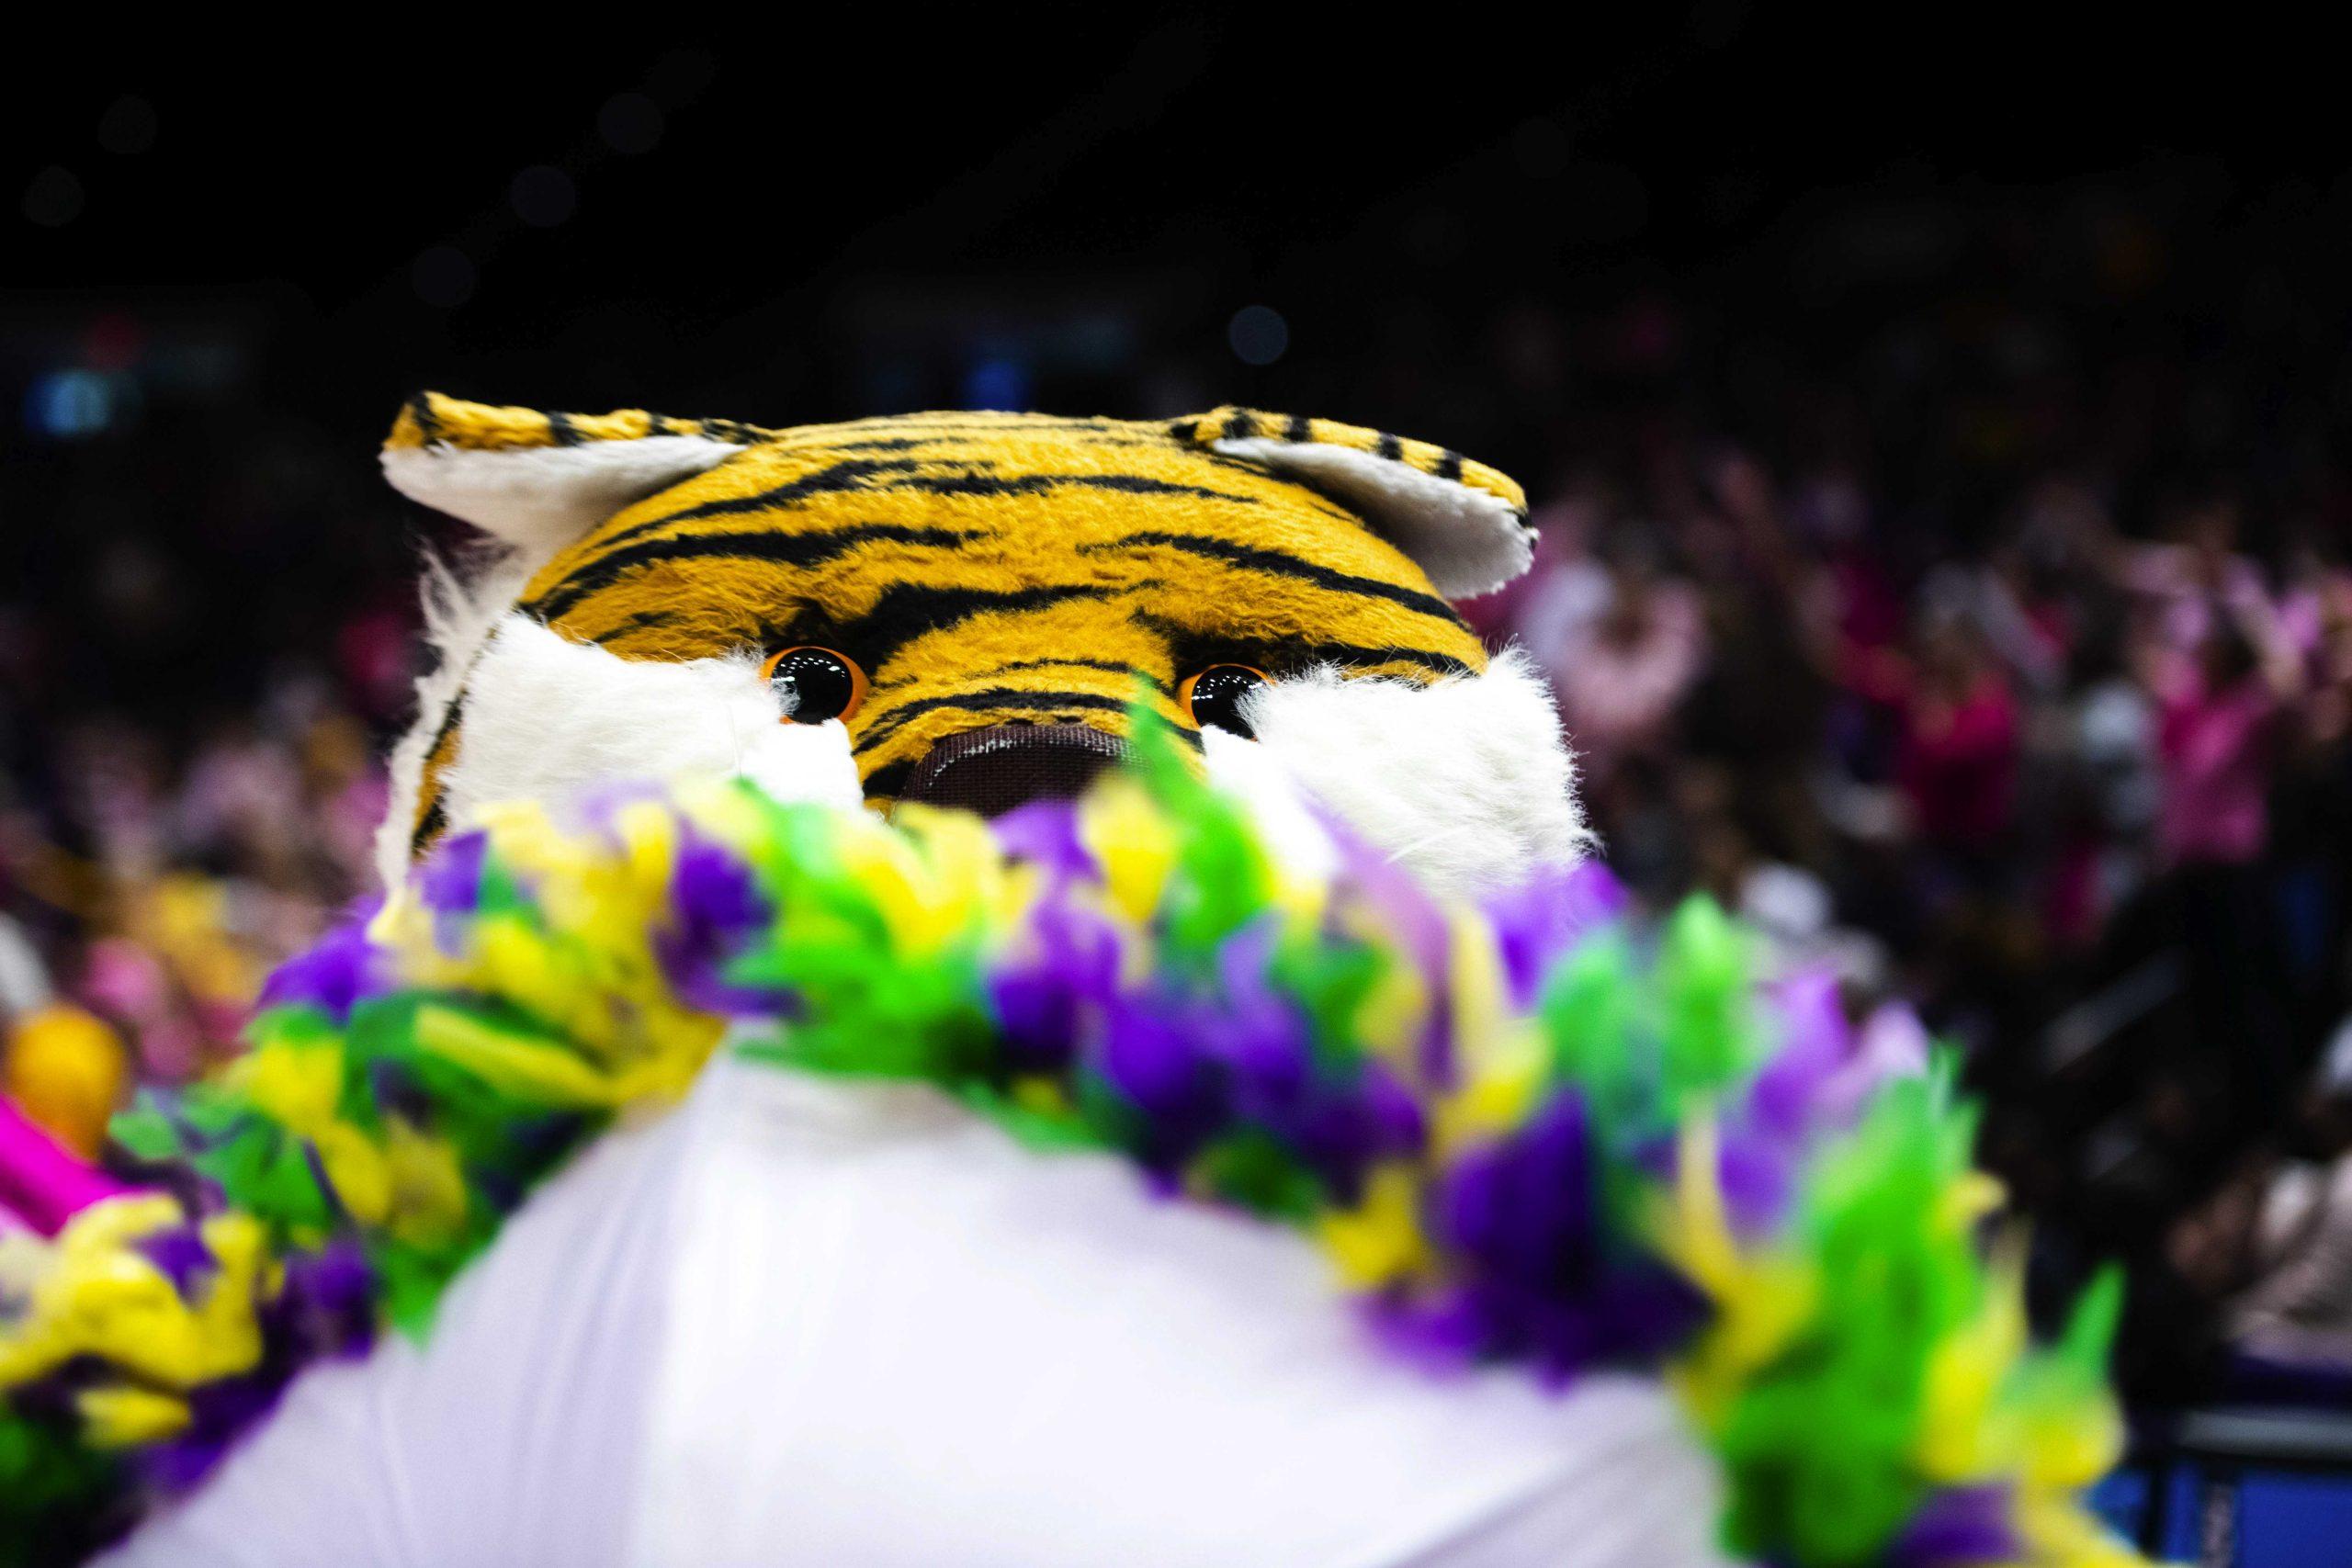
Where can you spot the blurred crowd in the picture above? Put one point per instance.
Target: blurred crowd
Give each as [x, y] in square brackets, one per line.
[2080, 791]
[2003, 664]
[193, 702]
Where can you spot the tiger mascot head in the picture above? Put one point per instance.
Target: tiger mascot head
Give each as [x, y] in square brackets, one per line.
[961, 608]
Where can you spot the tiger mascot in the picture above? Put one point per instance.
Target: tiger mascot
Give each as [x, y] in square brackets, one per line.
[801, 1320]
[961, 609]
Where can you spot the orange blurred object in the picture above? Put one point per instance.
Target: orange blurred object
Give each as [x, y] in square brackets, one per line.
[66, 1069]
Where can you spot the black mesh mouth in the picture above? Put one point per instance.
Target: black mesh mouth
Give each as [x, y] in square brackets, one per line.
[994, 769]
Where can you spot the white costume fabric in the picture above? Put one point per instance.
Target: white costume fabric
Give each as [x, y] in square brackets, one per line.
[807, 1322]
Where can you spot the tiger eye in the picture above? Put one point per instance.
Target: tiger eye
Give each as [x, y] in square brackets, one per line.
[1212, 698]
[816, 683]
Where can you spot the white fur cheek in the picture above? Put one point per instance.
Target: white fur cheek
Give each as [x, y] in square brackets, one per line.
[545, 718]
[805, 762]
[1468, 783]
[1247, 772]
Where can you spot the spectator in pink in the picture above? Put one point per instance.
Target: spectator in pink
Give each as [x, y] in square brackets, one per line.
[1622, 674]
[2216, 740]
[2219, 736]
[1956, 721]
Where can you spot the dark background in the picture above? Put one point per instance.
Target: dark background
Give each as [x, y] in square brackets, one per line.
[1491, 230]
[1951, 259]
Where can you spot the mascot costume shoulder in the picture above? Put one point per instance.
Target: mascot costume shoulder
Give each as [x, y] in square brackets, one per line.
[914, 951]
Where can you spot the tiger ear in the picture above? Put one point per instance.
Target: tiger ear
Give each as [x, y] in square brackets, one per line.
[1461, 522]
[540, 480]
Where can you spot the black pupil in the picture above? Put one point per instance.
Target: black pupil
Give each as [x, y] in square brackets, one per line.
[1217, 693]
[816, 684]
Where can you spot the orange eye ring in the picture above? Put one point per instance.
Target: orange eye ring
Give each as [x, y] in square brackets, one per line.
[1212, 698]
[818, 682]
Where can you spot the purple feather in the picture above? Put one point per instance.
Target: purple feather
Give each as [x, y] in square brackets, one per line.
[715, 909]
[1049, 997]
[449, 883]
[1957, 1527]
[343, 970]
[1542, 917]
[1523, 1215]
[1155, 1062]
[179, 1255]
[1044, 832]
[1789, 1093]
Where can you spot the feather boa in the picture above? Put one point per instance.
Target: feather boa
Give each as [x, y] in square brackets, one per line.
[1523, 1133]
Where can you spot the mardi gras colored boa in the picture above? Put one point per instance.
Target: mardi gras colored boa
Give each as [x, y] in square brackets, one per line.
[1524, 1133]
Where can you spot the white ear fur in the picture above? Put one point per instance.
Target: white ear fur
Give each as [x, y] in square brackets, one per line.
[540, 498]
[1467, 782]
[532, 501]
[547, 718]
[461, 610]
[1470, 542]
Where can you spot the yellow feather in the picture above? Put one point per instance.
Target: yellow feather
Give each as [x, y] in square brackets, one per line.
[1381, 1237]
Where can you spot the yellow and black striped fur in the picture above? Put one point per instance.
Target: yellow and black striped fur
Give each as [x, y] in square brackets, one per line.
[982, 568]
